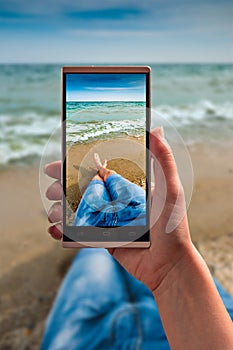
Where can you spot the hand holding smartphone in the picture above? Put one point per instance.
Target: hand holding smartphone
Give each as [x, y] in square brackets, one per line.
[105, 172]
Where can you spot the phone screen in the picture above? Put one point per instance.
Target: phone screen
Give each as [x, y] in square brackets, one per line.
[105, 150]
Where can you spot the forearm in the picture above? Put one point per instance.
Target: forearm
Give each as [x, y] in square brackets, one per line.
[191, 309]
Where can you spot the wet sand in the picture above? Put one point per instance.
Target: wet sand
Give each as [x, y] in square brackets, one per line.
[33, 265]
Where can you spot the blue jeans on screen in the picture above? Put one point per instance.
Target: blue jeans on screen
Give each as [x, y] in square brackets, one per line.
[101, 307]
[115, 202]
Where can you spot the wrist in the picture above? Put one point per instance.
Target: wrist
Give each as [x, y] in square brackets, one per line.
[179, 271]
[190, 307]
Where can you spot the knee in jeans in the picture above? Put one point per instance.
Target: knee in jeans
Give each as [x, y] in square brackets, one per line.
[97, 281]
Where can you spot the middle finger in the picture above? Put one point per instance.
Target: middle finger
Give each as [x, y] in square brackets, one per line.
[54, 192]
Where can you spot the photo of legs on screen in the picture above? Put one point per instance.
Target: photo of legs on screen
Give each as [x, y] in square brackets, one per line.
[105, 149]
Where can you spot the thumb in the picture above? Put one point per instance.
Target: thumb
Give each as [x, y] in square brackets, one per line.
[165, 169]
[164, 162]
[169, 196]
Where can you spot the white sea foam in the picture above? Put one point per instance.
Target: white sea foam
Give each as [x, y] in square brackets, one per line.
[23, 137]
[204, 122]
[200, 112]
[92, 131]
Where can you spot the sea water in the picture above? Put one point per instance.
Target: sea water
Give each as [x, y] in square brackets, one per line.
[90, 121]
[195, 98]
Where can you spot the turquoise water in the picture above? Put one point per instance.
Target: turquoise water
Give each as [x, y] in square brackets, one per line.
[90, 121]
[196, 98]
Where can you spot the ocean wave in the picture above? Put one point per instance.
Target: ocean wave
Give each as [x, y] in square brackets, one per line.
[192, 113]
[88, 132]
[27, 153]
[30, 108]
[98, 111]
[24, 136]
[27, 124]
[204, 122]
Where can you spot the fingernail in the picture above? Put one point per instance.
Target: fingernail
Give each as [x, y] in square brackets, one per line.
[161, 131]
[45, 167]
[59, 227]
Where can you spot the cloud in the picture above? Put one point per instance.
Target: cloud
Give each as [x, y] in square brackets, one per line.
[114, 33]
[147, 15]
[113, 88]
[117, 13]
[51, 7]
[123, 29]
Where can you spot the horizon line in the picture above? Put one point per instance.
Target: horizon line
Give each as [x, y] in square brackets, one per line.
[115, 63]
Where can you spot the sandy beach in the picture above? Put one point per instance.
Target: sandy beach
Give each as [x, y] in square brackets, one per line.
[210, 210]
[33, 265]
[125, 155]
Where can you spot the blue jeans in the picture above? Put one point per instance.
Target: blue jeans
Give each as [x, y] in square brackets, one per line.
[101, 306]
[116, 202]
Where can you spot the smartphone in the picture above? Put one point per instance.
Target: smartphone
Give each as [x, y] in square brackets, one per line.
[105, 154]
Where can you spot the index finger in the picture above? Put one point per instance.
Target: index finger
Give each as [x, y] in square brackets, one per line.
[53, 169]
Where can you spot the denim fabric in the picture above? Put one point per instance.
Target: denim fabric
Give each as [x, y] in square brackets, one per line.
[101, 306]
[117, 202]
[226, 297]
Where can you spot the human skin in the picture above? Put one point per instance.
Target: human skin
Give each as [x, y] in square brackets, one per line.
[191, 310]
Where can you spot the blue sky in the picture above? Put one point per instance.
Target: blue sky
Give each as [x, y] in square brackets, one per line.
[105, 87]
[116, 31]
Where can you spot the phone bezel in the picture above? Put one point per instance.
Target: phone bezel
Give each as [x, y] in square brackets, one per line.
[143, 241]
